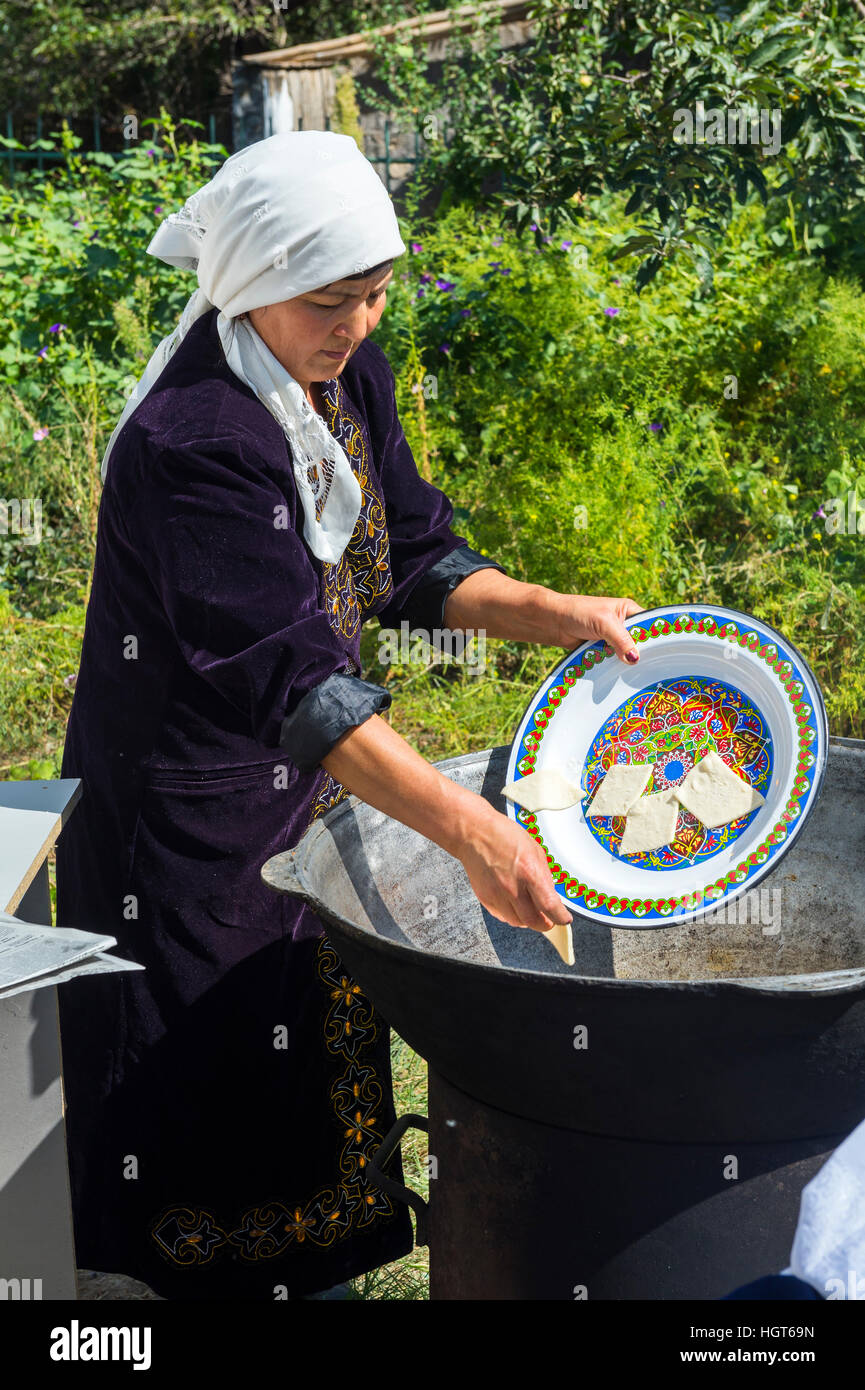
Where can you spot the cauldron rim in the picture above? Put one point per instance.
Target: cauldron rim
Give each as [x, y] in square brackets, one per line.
[818, 984]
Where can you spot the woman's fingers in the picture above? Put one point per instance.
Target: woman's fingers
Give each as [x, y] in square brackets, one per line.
[617, 634]
[527, 908]
[546, 905]
[621, 641]
[537, 905]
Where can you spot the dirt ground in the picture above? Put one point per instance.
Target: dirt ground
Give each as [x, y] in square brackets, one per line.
[115, 1287]
[93, 1284]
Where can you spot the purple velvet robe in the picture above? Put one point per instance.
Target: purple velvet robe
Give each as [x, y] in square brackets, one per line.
[222, 1103]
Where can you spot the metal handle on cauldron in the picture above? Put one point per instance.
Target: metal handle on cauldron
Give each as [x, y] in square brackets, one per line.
[386, 1148]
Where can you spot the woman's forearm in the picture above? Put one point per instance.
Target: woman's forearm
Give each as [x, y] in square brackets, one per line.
[499, 606]
[375, 763]
[506, 607]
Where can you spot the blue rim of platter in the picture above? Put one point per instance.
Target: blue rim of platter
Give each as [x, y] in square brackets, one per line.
[775, 660]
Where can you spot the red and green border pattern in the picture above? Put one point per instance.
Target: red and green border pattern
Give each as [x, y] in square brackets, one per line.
[602, 905]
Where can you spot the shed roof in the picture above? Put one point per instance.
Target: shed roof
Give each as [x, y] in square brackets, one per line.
[435, 25]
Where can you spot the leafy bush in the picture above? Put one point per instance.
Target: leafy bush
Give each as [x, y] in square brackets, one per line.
[678, 444]
[703, 433]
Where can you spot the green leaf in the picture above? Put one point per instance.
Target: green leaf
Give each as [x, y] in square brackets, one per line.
[771, 48]
[634, 244]
[854, 146]
[704, 271]
[647, 272]
[758, 179]
[747, 18]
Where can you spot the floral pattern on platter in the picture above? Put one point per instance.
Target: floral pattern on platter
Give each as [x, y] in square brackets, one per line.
[671, 726]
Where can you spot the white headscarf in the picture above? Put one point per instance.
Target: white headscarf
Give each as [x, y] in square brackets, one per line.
[282, 217]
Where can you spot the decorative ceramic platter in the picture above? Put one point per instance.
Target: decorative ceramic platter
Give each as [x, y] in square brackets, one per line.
[708, 679]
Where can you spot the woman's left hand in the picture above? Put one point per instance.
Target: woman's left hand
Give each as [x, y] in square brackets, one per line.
[584, 618]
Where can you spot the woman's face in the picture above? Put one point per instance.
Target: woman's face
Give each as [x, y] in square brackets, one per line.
[301, 332]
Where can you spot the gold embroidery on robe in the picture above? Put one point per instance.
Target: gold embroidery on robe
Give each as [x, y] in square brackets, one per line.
[362, 575]
[194, 1236]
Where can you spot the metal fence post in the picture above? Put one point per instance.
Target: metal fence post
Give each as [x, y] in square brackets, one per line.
[10, 152]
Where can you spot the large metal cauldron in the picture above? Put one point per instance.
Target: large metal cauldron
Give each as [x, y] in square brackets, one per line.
[663, 1155]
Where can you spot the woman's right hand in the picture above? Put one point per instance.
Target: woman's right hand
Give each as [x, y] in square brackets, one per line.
[509, 874]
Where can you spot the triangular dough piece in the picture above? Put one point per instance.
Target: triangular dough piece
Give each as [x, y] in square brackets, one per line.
[715, 794]
[620, 788]
[651, 823]
[561, 936]
[545, 790]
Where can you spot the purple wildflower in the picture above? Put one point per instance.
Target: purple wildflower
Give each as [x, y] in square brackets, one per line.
[151, 154]
[566, 245]
[43, 352]
[497, 240]
[663, 504]
[77, 222]
[445, 347]
[420, 294]
[69, 681]
[417, 247]
[617, 282]
[506, 270]
[56, 327]
[494, 264]
[41, 433]
[446, 285]
[819, 512]
[656, 429]
[534, 226]
[464, 313]
[425, 279]
[611, 313]
[158, 209]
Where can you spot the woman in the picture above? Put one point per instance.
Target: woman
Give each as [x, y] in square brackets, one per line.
[260, 503]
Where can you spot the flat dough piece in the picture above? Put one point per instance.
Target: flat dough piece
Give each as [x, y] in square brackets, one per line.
[651, 823]
[715, 794]
[620, 788]
[562, 938]
[545, 790]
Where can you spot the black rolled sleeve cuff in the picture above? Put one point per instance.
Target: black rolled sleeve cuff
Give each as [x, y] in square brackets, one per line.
[425, 606]
[325, 713]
